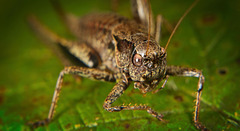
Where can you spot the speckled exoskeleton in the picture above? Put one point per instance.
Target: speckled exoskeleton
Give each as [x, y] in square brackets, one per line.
[117, 49]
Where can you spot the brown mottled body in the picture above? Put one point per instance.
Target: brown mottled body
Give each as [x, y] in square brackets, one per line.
[117, 49]
[99, 30]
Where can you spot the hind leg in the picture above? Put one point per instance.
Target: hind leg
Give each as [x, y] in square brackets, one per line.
[142, 13]
[79, 50]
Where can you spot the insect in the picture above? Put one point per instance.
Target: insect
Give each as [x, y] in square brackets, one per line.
[120, 50]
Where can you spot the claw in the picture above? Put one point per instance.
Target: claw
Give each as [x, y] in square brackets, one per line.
[200, 126]
[39, 123]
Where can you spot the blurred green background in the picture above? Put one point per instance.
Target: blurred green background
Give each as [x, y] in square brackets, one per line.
[207, 39]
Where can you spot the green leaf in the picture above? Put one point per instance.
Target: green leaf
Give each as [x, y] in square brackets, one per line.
[207, 39]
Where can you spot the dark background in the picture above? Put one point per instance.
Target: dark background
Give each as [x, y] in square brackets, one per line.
[207, 39]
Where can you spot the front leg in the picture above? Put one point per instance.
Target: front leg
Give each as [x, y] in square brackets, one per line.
[91, 73]
[116, 92]
[183, 71]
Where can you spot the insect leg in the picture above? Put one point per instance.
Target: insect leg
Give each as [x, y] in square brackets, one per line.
[158, 28]
[116, 92]
[70, 21]
[44, 34]
[141, 10]
[183, 71]
[114, 5]
[80, 50]
[91, 73]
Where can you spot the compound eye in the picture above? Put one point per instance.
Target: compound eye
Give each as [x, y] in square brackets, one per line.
[137, 60]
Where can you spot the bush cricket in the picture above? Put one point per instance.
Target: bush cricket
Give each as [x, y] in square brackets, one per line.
[117, 49]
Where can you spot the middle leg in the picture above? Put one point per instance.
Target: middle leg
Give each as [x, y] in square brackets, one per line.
[190, 72]
[91, 73]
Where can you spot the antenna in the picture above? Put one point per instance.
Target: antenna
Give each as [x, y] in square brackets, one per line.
[178, 23]
[149, 25]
